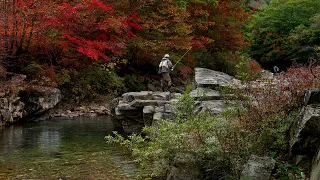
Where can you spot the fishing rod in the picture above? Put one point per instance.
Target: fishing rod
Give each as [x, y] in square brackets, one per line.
[180, 58]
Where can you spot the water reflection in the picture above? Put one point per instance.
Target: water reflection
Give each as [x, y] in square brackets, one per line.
[49, 141]
[74, 149]
[10, 139]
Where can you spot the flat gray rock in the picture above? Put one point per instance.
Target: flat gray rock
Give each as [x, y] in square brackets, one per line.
[258, 168]
[205, 94]
[210, 78]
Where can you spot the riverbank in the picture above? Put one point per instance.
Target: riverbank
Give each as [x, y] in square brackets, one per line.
[97, 106]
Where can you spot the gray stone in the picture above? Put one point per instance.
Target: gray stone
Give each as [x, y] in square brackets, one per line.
[11, 109]
[131, 126]
[157, 116]
[148, 115]
[142, 103]
[205, 94]
[7, 116]
[214, 107]
[212, 79]
[148, 110]
[306, 139]
[258, 168]
[312, 96]
[39, 99]
[117, 112]
[176, 95]
[161, 96]
[174, 101]
[168, 108]
[130, 96]
[159, 109]
[125, 107]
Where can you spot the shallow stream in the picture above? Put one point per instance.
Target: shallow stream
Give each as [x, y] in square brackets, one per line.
[62, 148]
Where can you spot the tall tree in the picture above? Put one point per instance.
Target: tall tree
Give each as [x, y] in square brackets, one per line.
[272, 26]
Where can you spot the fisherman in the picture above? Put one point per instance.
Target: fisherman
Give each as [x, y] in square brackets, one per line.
[165, 67]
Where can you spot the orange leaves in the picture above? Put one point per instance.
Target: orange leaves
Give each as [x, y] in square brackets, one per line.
[185, 71]
[92, 28]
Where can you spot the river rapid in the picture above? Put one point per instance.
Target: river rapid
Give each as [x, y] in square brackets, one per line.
[63, 148]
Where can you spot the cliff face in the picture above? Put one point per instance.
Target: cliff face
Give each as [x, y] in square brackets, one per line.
[18, 101]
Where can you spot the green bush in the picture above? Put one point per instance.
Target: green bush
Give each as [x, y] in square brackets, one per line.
[285, 171]
[132, 83]
[101, 79]
[89, 81]
[34, 70]
[186, 142]
[274, 134]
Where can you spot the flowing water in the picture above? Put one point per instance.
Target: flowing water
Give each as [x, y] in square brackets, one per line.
[62, 148]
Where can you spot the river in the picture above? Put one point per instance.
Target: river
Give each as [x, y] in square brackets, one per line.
[63, 148]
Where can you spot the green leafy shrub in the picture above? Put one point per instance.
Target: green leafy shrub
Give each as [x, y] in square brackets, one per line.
[285, 171]
[132, 83]
[34, 70]
[101, 79]
[186, 142]
[274, 134]
[88, 81]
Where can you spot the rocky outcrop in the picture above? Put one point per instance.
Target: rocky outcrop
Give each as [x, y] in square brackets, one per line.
[39, 99]
[258, 168]
[134, 110]
[11, 109]
[25, 103]
[306, 139]
[212, 79]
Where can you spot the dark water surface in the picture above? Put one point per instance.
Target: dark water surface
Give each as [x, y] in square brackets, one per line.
[66, 148]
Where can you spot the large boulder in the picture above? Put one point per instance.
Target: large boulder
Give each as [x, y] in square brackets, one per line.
[39, 99]
[134, 110]
[212, 79]
[258, 168]
[11, 109]
[312, 96]
[306, 140]
[27, 103]
[205, 94]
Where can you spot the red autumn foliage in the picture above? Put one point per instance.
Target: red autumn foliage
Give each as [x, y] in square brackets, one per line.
[185, 71]
[92, 28]
[280, 95]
